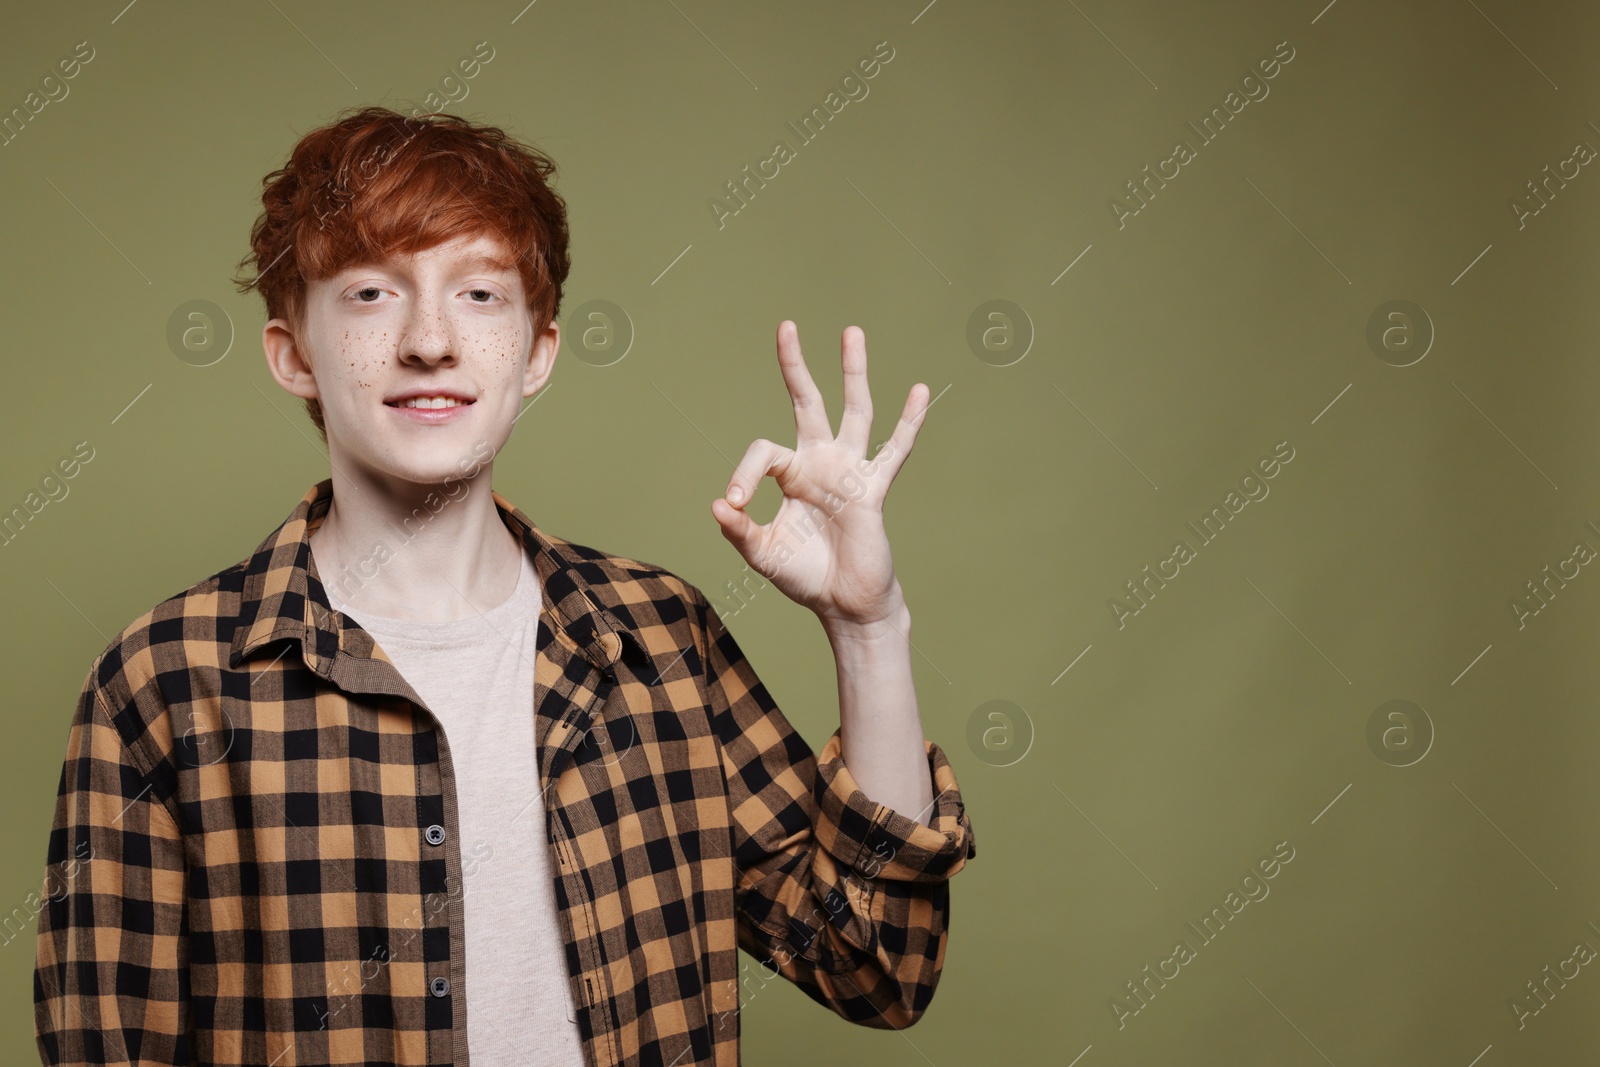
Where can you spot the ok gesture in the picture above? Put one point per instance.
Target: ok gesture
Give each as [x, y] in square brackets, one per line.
[826, 548]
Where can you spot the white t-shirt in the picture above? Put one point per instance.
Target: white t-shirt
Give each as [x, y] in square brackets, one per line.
[476, 676]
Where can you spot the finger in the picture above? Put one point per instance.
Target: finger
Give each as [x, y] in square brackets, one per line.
[855, 425]
[763, 457]
[887, 461]
[741, 531]
[810, 414]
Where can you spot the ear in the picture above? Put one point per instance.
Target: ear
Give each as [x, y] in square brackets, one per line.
[290, 366]
[542, 359]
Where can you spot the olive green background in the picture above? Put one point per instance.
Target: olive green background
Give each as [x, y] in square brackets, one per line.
[1117, 800]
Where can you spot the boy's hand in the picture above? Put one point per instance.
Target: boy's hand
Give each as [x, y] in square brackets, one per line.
[826, 548]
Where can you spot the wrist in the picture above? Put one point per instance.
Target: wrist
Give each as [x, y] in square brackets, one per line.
[890, 628]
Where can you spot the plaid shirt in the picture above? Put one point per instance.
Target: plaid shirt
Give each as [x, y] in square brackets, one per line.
[255, 859]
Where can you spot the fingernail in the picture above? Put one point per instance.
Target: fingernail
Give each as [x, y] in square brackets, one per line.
[735, 494]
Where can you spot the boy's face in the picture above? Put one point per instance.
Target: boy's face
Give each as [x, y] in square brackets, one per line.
[442, 323]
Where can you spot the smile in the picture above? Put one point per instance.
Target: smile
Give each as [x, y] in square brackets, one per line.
[431, 402]
[431, 410]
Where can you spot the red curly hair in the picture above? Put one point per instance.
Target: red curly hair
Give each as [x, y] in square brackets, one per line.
[376, 183]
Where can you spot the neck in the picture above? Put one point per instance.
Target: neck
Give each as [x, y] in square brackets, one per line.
[411, 551]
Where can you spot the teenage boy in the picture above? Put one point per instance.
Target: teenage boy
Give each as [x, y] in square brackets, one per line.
[418, 777]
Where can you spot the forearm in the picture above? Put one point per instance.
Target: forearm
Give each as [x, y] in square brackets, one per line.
[880, 729]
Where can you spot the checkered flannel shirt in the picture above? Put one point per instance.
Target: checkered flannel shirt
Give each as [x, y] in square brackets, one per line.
[255, 860]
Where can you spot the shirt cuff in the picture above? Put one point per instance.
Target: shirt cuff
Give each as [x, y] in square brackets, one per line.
[876, 841]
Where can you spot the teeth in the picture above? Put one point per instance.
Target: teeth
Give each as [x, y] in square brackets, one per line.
[430, 402]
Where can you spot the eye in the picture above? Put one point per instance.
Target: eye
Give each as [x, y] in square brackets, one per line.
[366, 289]
[485, 292]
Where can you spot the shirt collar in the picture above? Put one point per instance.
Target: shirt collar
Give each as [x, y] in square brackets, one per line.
[283, 596]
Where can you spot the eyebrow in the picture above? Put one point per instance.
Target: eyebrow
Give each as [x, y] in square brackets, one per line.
[477, 261]
[485, 261]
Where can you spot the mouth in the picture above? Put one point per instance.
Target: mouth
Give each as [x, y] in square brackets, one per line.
[430, 403]
[430, 409]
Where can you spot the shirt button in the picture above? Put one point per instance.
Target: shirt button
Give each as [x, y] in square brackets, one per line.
[435, 834]
[440, 986]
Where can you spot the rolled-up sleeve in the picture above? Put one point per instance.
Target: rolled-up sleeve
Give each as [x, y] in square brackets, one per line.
[879, 842]
[109, 969]
[846, 898]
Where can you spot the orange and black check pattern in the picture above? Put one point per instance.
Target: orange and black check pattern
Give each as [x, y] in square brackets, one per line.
[255, 859]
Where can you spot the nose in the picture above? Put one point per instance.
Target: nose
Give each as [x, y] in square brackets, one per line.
[429, 337]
